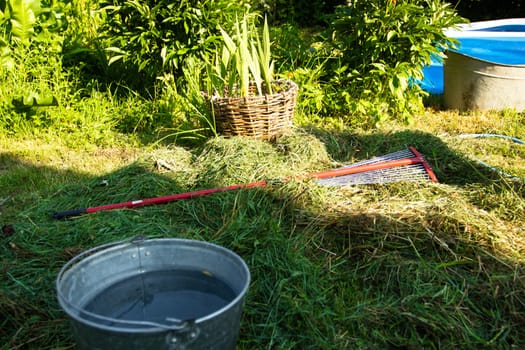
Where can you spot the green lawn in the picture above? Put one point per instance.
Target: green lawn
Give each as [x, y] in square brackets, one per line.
[398, 266]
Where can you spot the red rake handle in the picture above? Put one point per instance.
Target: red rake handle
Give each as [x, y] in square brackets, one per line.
[187, 195]
[154, 200]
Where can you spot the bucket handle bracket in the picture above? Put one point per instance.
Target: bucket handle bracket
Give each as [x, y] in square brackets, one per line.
[186, 334]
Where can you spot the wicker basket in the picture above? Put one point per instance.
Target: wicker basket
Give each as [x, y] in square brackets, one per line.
[259, 116]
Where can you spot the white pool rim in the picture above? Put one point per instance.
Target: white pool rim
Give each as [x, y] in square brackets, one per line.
[476, 29]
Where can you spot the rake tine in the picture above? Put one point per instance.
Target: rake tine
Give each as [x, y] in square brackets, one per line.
[406, 153]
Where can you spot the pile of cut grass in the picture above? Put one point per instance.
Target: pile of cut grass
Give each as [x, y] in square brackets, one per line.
[405, 265]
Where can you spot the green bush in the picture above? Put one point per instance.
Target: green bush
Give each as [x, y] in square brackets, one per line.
[378, 49]
[155, 37]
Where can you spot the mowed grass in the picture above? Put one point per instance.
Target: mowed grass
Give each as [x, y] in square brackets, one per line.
[396, 266]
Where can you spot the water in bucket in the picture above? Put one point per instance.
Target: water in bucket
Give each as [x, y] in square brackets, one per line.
[180, 294]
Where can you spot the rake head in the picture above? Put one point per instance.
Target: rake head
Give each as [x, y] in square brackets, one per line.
[402, 166]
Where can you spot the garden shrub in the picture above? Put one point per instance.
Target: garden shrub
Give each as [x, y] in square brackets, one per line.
[378, 49]
[155, 37]
[25, 24]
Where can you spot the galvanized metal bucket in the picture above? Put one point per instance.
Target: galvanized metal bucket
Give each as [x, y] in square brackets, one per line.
[94, 271]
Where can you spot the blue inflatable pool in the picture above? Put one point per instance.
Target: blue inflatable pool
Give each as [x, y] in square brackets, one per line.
[499, 41]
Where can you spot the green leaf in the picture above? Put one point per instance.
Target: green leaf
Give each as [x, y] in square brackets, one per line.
[265, 57]
[230, 44]
[255, 68]
[23, 17]
[163, 52]
[390, 35]
[115, 59]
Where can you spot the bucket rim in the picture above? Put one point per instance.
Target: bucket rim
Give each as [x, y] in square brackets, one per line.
[175, 325]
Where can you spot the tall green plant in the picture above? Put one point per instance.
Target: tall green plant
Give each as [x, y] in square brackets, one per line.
[245, 58]
[17, 22]
[30, 62]
[23, 22]
[19, 18]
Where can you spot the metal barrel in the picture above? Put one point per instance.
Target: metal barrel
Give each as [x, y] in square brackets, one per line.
[471, 83]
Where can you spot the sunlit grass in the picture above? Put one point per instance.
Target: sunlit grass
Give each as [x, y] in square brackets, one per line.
[401, 265]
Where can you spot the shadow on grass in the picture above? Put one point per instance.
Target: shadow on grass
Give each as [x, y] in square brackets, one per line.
[424, 277]
[367, 276]
[450, 167]
[402, 281]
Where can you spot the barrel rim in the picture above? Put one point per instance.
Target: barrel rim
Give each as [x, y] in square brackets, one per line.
[448, 52]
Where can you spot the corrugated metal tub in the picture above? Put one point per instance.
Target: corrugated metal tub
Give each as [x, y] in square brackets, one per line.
[475, 84]
[488, 69]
